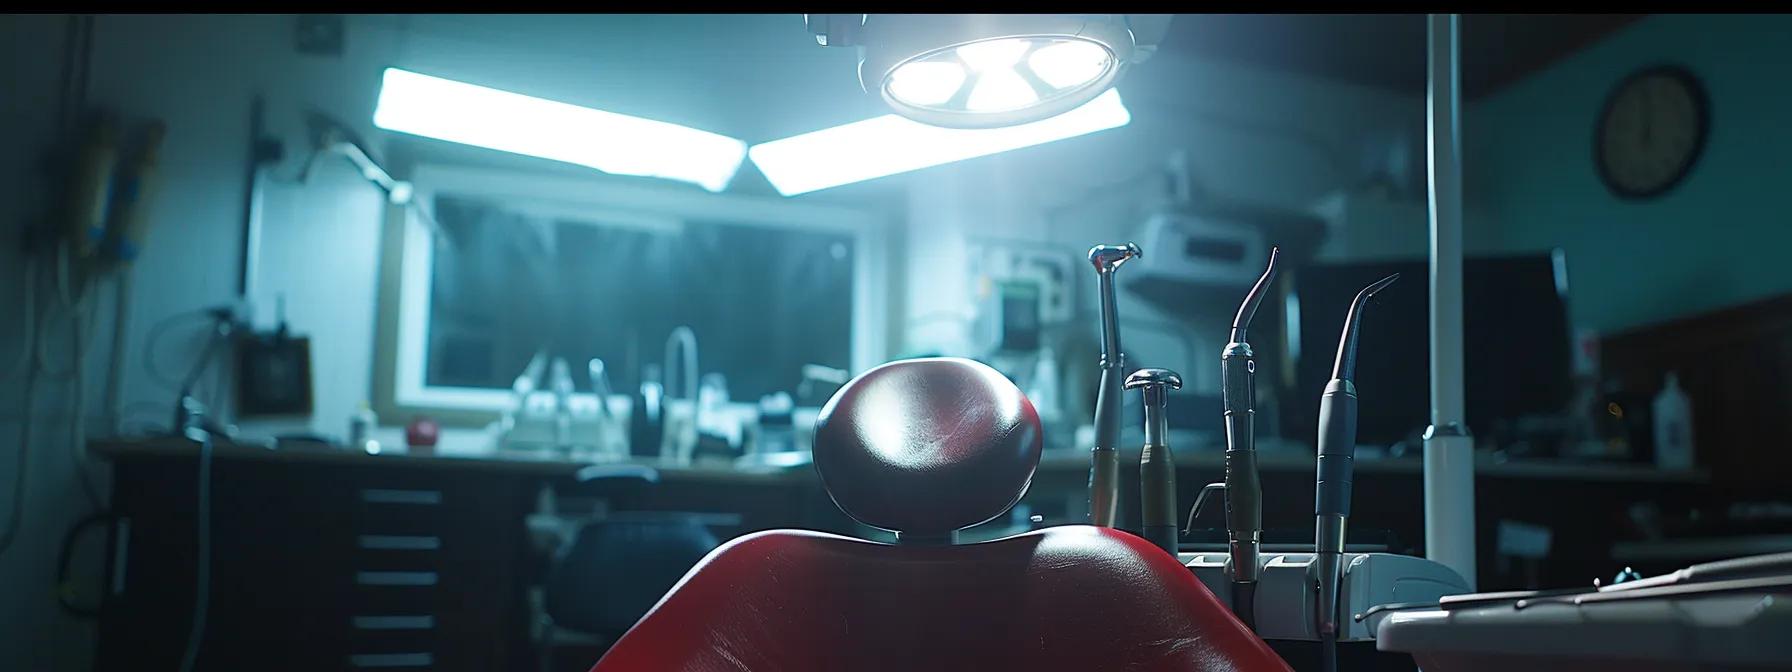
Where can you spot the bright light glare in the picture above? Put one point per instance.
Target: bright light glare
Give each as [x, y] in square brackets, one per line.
[1000, 90]
[993, 54]
[926, 82]
[1069, 63]
[891, 144]
[613, 143]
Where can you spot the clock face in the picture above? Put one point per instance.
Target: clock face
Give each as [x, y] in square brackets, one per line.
[1651, 132]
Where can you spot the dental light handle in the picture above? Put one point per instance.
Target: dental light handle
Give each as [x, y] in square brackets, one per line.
[1157, 467]
[1104, 470]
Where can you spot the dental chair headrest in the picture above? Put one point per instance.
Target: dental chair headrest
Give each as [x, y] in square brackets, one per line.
[925, 447]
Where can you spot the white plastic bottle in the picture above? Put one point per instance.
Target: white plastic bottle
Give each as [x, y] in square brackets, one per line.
[360, 429]
[1673, 426]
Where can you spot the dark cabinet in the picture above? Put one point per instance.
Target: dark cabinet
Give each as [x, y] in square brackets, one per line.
[318, 566]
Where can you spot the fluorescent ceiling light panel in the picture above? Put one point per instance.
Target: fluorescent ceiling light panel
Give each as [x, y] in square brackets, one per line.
[890, 144]
[445, 109]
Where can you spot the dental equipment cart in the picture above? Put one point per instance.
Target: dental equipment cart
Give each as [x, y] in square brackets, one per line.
[1726, 615]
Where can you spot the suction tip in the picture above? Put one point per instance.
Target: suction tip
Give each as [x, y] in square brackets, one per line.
[1345, 366]
[1248, 309]
[1379, 285]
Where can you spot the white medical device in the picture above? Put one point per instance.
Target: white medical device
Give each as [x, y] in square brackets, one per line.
[1199, 249]
[1287, 592]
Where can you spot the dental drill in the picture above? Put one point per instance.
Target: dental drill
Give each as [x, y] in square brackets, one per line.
[1157, 469]
[1104, 472]
[1244, 492]
[1337, 454]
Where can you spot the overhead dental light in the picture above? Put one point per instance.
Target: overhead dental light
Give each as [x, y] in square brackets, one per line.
[990, 70]
[620, 144]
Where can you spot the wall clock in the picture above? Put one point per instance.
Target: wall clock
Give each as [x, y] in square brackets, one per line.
[1651, 131]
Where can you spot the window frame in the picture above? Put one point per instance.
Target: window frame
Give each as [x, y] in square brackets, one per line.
[406, 266]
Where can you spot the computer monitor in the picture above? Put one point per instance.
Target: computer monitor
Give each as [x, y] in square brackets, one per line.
[1516, 342]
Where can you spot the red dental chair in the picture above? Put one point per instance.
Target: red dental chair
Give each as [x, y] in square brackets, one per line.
[925, 448]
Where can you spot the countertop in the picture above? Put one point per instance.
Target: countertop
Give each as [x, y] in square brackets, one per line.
[551, 464]
[517, 462]
[1294, 459]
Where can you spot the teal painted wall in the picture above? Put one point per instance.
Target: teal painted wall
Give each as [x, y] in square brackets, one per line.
[1722, 237]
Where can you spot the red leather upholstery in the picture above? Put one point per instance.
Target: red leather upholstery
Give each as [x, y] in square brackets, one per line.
[1065, 598]
[929, 446]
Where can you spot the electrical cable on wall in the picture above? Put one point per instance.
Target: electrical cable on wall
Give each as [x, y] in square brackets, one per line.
[34, 358]
[81, 308]
[66, 302]
[157, 332]
[121, 295]
[77, 430]
[26, 366]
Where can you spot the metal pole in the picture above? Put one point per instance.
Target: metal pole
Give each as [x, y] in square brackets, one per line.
[250, 261]
[1449, 449]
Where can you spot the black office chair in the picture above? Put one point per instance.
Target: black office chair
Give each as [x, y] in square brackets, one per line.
[620, 562]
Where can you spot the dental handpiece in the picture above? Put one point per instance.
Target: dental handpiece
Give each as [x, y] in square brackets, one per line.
[1157, 469]
[1244, 491]
[1104, 472]
[1332, 488]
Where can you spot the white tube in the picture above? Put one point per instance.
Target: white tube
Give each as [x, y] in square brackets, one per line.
[116, 359]
[1449, 450]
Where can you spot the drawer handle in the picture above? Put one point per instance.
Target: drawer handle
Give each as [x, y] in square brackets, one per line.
[395, 622]
[384, 542]
[391, 660]
[395, 578]
[389, 496]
